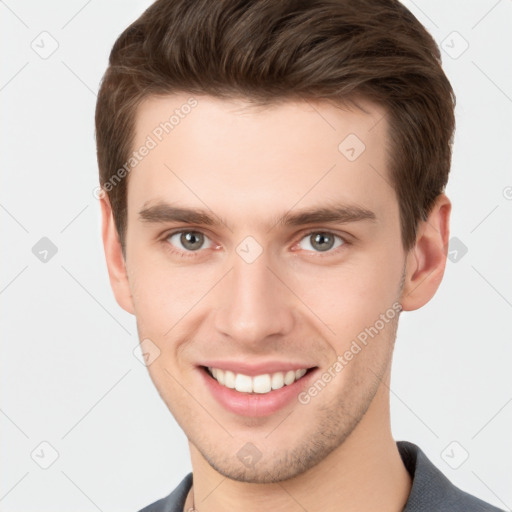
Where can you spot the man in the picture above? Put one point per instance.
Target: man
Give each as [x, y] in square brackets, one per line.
[273, 177]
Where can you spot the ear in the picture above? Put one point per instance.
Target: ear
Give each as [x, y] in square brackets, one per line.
[426, 261]
[114, 256]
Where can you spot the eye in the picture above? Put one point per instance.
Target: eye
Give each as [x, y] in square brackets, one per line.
[321, 241]
[189, 241]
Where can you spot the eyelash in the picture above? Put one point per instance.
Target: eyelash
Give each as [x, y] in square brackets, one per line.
[193, 254]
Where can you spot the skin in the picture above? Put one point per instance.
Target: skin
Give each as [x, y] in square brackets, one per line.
[248, 167]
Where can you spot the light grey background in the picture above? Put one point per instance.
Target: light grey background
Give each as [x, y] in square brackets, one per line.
[69, 376]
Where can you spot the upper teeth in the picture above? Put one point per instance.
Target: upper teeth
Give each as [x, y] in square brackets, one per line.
[259, 383]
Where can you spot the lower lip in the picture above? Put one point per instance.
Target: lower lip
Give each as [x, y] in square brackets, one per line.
[255, 404]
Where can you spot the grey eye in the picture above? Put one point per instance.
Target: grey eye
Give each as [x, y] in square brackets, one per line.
[189, 240]
[321, 241]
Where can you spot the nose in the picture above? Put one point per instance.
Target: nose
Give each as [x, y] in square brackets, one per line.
[253, 303]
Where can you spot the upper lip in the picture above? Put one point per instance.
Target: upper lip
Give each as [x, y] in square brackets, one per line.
[252, 369]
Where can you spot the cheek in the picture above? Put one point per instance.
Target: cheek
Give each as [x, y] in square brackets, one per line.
[357, 286]
[163, 294]
[352, 296]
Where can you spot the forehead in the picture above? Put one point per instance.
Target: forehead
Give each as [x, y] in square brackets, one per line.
[247, 160]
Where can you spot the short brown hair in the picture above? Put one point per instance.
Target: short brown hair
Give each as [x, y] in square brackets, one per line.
[266, 51]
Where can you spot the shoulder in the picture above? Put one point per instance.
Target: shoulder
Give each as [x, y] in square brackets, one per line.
[431, 490]
[175, 501]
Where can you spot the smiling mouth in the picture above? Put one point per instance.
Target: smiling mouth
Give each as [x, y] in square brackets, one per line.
[258, 384]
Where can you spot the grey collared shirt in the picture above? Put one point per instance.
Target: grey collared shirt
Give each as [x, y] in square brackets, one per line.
[431, 491]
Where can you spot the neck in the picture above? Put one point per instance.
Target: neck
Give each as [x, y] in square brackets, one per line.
[365, 472]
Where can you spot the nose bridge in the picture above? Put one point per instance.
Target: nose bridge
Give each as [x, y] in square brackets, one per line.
[254, 304]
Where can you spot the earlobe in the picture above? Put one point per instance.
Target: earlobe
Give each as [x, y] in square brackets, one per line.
[426, 261]
[116, 264]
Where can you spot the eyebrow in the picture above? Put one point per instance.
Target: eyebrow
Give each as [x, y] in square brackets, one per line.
[164, 212]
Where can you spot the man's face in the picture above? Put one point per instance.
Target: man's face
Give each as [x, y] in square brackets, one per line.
[260, 278]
